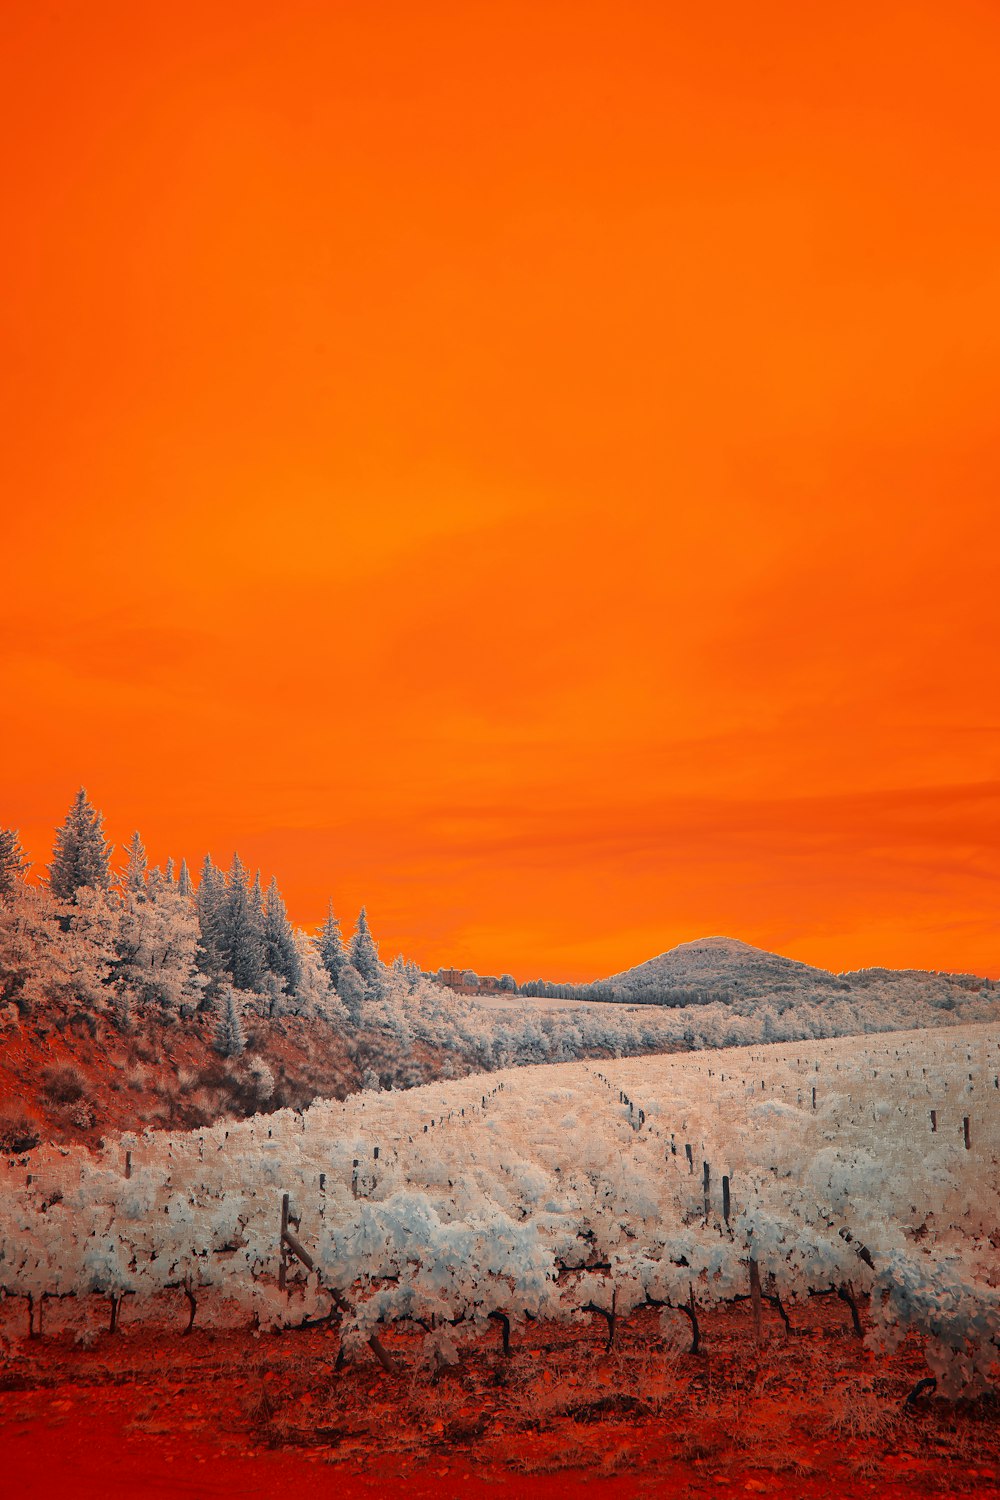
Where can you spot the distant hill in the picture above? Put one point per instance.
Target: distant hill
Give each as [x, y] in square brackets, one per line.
[726, 970]
[723, 968]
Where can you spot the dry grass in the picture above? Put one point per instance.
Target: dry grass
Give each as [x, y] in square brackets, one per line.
[859, 1412]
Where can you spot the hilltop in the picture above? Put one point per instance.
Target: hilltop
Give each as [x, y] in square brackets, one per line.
[728, 971]
[727, 964]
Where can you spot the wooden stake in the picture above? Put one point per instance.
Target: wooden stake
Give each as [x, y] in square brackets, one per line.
[283, 1255]
[755, 1303]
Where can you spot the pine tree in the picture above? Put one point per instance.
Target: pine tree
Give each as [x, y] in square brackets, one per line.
[13, 861]
[209, 904]
[363, 954]
[229, 1037]
[257, 900]
[280, 952]
[332, 954]
[242, 935]
[80, 857]
[184, 886]
[170, 873]
[135, 868]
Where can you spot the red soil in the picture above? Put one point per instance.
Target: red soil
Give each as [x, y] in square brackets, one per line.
[224, 1412]
[169, 1076]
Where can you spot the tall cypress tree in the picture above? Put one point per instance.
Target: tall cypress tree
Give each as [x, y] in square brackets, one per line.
[280, 952]
[242, 929]
[184, 886]
[80, 856]
[332, 954]
[13, 861]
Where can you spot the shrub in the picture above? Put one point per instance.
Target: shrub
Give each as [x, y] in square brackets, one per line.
[64, 1084]
[259, 1077]
[19, 1130]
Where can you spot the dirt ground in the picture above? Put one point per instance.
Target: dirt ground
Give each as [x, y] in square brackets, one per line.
[147, 1412]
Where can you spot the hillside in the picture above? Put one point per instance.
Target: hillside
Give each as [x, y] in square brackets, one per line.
[727, 966]
[728, 971]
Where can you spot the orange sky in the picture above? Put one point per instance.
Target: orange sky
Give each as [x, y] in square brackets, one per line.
[529, 467]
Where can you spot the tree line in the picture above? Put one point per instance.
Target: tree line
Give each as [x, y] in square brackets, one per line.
[92, 943]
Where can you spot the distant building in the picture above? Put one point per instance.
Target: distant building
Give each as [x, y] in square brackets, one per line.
[459, 980]
[465, 982]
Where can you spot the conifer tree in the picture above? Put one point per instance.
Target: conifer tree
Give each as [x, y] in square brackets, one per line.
[170, 873]
[184, 886]
[332, 954]
[80, 856]
[242, 933]
[229, 1037]
[257, 899]
[135, 867]
[13, 861]
[363, 954]
[209, 904]
[280, 952]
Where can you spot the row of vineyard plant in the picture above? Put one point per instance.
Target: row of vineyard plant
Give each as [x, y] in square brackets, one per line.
[863, 1167]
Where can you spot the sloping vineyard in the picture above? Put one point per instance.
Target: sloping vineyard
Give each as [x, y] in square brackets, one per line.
[864, 1167]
